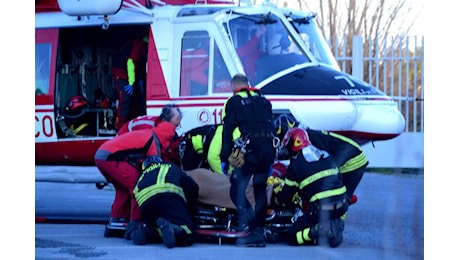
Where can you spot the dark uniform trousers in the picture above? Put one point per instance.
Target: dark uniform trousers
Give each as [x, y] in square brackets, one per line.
[173, 208]
[311, 218]
[258, 161]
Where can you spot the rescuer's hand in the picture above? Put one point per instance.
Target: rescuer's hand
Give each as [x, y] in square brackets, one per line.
[236, 159]
[129, 89]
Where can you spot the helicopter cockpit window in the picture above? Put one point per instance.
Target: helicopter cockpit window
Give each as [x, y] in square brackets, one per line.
[264, 46]
[42, 67]
[194, 63]
[314, 40]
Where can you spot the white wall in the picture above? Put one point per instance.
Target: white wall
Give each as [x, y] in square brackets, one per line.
[404, 151]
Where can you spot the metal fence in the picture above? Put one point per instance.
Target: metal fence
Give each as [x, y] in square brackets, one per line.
[394, 65]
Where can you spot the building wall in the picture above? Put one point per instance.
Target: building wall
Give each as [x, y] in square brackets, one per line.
[404, 151]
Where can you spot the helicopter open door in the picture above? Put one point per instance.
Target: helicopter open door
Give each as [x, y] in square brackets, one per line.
[84, 62]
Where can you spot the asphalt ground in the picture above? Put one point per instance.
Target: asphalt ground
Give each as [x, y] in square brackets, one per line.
[387, 222]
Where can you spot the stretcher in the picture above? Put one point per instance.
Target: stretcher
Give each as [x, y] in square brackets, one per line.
[215, 215]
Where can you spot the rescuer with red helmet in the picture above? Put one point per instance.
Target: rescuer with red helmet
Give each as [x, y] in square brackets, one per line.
[348, 155]
[119, 160]
[314, 175]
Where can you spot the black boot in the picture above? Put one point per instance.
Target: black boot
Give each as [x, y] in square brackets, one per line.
[167, 232]
[256, 238]
[137, 232]
[319, 232]
[335, 232]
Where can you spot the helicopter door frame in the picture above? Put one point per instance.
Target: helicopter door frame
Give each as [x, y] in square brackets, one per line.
[45, 128]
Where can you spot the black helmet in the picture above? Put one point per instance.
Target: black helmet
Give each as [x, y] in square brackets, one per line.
[283, 123]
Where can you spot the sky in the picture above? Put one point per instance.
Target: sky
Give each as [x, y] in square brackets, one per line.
[416, 30]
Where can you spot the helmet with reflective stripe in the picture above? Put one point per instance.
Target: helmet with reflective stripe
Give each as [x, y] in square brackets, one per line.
[283, 123]
[295, 139]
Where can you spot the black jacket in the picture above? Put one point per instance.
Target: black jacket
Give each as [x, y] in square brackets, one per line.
[158, 178]
[315, 181]
[248, 110]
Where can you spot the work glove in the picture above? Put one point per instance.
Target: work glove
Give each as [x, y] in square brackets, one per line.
[224, 166]
[277, 183]
[236, 159]
[129, 89]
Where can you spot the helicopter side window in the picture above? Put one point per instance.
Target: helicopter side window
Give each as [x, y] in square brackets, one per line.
[42, 67]
[220, 73]
[194, 63]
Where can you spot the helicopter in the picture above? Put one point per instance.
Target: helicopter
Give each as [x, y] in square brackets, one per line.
[76, 41]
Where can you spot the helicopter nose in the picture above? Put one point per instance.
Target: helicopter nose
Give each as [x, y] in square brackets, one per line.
[381, 119]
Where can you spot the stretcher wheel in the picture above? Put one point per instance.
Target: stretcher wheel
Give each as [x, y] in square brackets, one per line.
[101, 185]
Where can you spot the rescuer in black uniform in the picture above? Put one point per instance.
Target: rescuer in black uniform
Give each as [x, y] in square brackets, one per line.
[165, 195]
[200, 148]
[314, 175]
[346, 153]
[194, 148]
[252, 113]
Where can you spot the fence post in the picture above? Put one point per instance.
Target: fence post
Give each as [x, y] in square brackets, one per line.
[357, 60]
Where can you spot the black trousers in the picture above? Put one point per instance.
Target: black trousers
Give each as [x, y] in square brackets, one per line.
[258, 161]
[352, 179]
[310, 219]
[133, 105]
[174, 209]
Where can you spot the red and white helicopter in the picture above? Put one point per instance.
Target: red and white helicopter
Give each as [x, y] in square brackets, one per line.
[75, 41]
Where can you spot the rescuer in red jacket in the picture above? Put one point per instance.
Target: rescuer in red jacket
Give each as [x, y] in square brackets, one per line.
[138, 123]
[129, 74]
[119, 161]
[169, 113]
[249, 53]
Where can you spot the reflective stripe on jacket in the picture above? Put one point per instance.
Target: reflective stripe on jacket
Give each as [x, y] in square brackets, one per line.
[158, 178]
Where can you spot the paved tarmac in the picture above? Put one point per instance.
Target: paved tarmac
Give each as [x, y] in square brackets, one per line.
[386, 223]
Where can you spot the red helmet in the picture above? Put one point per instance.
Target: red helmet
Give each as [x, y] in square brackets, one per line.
[295, 139]
[279, 170]
[76, 102]
[75, 106]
